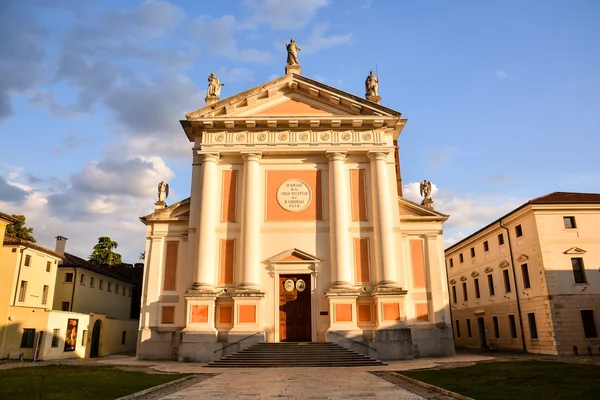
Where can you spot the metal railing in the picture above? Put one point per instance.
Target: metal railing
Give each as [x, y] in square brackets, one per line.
[355, 341]
[241, 340]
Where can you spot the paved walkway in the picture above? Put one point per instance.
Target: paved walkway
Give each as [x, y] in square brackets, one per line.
[292, 383]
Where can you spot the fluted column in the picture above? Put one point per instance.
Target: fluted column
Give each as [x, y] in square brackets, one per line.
[206, 268]
[251, 212]
[339, 213]
[384, 239]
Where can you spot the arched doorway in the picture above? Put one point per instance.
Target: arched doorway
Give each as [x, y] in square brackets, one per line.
[96, 339]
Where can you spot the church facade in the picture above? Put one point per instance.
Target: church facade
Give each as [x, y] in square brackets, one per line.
[295, 230]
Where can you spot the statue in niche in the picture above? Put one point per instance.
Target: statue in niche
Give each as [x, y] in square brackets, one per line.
[163, 191]
[426, 190]
[292, 50]
[371, 85]
[214, 86]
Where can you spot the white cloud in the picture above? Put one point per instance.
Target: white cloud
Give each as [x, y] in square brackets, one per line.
[500, 74]
[318, 40]
[282, 14]
[440, 156]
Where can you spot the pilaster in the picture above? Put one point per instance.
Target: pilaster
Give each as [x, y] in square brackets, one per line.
[437, 290]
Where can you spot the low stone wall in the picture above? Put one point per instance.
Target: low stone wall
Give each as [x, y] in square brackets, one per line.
[388, 344]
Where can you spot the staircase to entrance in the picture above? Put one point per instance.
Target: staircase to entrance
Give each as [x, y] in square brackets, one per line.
[264, 355]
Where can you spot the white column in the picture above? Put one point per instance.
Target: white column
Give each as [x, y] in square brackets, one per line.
[251, 214]
[339, 213]
[206, 268]
[193, 224]
[384, 236]
[436, 284]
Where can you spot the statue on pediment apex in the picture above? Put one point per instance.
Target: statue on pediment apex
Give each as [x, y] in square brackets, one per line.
[163, 191]
[425, 189]
[371, 85]
[214, 86]
[292, 50]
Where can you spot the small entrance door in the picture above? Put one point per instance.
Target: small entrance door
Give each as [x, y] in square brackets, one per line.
[482, 337]
[95, 339]
[294, 308]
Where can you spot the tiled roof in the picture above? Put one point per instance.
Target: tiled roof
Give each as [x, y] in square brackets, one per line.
[72, 261]
[7, 217]
[550, 198]
[15, 241]
[567, 198]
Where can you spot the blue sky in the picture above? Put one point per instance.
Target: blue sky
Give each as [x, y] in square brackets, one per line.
[502, 98]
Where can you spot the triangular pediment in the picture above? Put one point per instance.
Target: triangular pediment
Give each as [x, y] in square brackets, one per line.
[293, 256]
[290, 106]
[409, 210]
[575, 250]
[179, 211]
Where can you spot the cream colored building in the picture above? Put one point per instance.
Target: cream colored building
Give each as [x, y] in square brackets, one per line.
[531, 279]
[296, 230]
[30, 329]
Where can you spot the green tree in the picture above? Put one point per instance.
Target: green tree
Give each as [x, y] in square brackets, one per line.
[19, 229]
[103, 253]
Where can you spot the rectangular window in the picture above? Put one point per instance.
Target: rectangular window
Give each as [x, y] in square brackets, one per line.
[27, 338]
[589, 325]
[578, 270]
[465, 294]
[66, 306]
[82, 279]
[525, 272]
[27, 260]
[491, 284]
[101, 285]
[454, 294]
[469, 333]
[461, 258]
[69, 277]
[457, 328]
[496, 327]
[84, 338]
[513, 326]
[130, 291]
[23, 291]
[500, 239]
[123, 291]
[532, 326]
[116, 289]
[476, 284]
[518, 231]
[506, 281]
[55, 336]
[451, 262]
[48, 266]
[486, 246]
[109, 289]
[472, 252]
[569, 222]
[45, 294]
[124, 337]
[92, 281]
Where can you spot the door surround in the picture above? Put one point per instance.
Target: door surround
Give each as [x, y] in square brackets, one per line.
[294, 261]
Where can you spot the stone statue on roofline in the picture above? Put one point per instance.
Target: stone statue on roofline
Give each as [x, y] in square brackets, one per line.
[292, 50]
[425, 189]
[214, 86]
[372, 88]
[163, 193]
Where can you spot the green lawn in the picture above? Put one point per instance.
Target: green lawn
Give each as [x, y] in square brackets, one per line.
[76, 382]
[517, 380]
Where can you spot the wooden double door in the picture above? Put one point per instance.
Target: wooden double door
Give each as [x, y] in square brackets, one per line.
[294, 308]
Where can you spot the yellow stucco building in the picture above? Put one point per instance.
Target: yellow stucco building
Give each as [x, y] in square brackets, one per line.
[531, 279]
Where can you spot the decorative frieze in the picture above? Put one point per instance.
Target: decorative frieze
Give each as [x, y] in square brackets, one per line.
[291, 137]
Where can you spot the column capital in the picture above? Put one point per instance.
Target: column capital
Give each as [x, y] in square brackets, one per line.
[251, 155]
[336, 155]
[377, 155]
[200, 158]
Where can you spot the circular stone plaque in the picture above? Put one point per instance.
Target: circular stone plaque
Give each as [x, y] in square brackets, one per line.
[300, 285]
[294, 195]
[289, 285]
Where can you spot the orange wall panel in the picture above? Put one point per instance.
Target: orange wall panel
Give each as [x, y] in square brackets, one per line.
[314, 211]
[343, 312]
[391, 312]
[361, 260]
[247, 314]
[359, 194]
[422, 312]
[225, 314]
[229, 196]
[171, 266]
[418, 263]
[227, 261]
[293, 107]
[168, 315]
[199, 314]
[364, 313]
